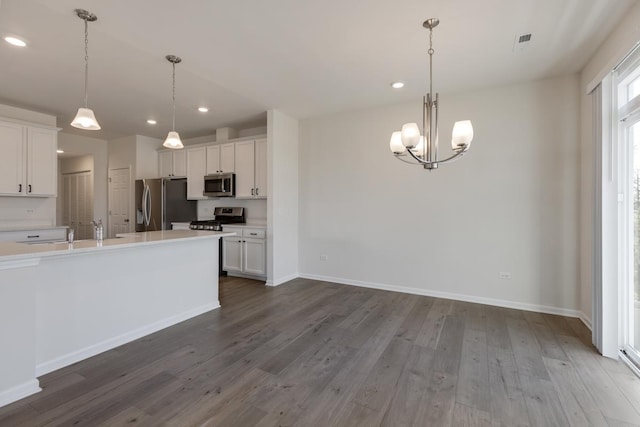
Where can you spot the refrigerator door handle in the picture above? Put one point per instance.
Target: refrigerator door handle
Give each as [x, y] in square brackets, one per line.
[147, 205]
[143, 204]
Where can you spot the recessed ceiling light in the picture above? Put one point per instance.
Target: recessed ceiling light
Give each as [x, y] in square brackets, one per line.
[15, 41]
[59, 151]
[151, 122]
[397, 85]
[203, 109]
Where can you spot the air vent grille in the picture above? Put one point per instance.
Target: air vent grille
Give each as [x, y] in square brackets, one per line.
[524, 38]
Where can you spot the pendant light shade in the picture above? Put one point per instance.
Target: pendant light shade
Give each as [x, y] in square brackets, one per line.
[85, 119]
[173, 139]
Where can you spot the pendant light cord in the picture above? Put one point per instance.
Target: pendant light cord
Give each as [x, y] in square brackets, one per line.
[174, 96]
[86, 64]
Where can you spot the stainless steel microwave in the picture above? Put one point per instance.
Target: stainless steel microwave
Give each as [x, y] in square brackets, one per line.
[220, 185]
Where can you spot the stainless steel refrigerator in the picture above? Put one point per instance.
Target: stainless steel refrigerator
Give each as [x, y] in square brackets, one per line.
[161, 201]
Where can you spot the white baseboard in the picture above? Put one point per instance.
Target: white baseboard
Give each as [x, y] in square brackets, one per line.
[92, 350]
[20, 391]
[585, 320]
[448, 295]
[282, 280]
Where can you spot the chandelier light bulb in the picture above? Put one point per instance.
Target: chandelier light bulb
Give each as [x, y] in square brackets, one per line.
[410, 135]
[462, 135]
[395, 144]
[419, 149]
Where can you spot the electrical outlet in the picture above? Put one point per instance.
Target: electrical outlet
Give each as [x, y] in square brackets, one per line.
[504, 275]
[324, 257]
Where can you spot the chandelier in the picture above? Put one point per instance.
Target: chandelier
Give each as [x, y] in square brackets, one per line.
[422, 149]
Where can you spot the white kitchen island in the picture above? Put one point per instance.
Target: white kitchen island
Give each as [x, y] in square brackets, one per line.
[62, 303]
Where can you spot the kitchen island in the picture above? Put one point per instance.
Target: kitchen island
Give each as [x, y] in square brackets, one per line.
[61, 303]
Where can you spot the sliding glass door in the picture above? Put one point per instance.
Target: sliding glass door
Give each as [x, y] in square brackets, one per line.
[628, 115]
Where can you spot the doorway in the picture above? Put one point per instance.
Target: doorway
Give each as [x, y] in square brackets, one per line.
[77, 208]
[119, 199]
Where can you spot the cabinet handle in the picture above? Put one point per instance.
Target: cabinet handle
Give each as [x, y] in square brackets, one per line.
[257, 190]
[19, 188]
[29, 188]
[254, 234]
[252, 192]
[33, 236]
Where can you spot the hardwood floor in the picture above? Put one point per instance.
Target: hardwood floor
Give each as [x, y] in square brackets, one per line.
[320, 354]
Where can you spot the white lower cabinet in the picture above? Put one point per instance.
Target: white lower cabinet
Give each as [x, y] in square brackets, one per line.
[246, 252]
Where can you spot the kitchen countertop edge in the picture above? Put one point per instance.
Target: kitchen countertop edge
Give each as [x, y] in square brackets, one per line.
[10, 252]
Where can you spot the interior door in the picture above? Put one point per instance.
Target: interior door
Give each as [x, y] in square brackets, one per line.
[119, 199]
[77, 209]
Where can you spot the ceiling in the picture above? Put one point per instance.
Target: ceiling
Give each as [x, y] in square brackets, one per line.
[306, 58]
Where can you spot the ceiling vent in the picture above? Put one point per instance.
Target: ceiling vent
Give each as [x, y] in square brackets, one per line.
[521, 42]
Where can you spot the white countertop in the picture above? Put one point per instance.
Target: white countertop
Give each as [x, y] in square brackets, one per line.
[31, 227]
[18, 251]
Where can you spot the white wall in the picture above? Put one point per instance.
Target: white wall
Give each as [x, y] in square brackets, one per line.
[283, 201]
[608, 55]
[510, 205]
[80, 145]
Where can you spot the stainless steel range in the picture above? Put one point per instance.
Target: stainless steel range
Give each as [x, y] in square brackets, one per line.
[221, 216]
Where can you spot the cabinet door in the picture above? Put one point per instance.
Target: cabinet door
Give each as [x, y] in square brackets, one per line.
[165, 164]
[213, 159]
[245, 169]
[180, 163]
[261, 168]
[42, 162]
[227, 157]
[196, 169]
[254, 259]
[232, 253]
[12, 178]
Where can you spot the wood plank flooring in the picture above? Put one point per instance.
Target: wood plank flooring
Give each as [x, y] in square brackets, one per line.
[312, 353]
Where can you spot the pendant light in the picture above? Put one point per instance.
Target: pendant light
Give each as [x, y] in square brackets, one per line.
[173, 139]
[85, 119]
[423, 148]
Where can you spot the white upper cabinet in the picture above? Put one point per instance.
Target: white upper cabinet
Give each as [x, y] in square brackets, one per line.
[221, 158]
[12, 178]
[172, 163]
[261, 168]
[245, 169]
[196, 170]
[42, 161]
[29, 163]
[251, 169]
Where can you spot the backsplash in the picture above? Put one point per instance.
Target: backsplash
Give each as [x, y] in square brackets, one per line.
[255, 210]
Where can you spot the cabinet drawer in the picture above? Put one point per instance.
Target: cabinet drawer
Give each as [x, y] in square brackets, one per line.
[256, 233]
[42, 235]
